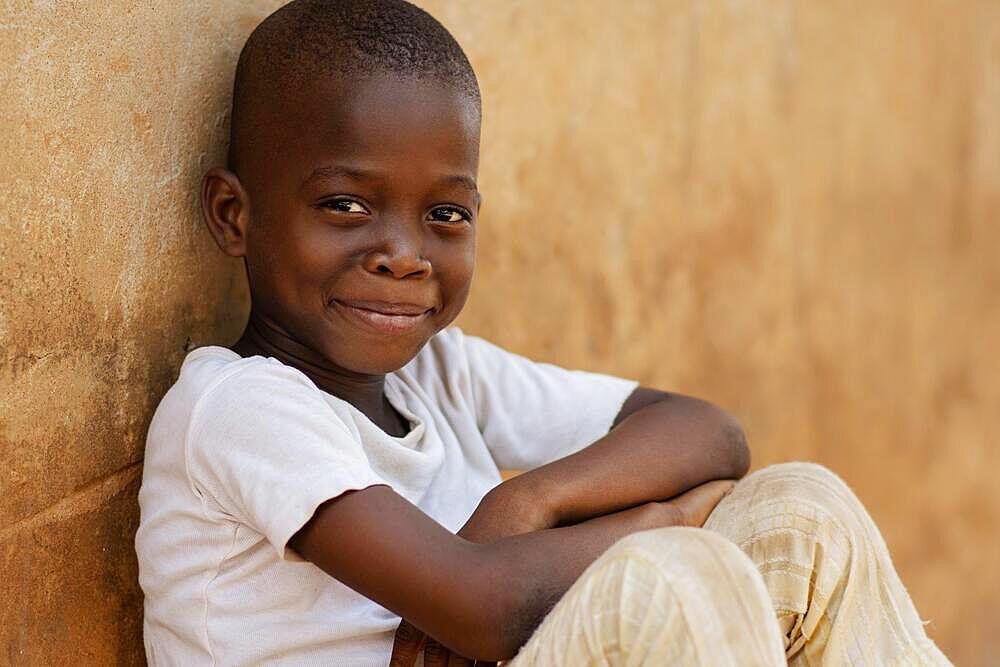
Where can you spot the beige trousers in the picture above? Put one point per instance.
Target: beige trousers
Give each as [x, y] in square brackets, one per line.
[788, 567]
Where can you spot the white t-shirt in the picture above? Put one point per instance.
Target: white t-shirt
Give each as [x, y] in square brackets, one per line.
[241, 452]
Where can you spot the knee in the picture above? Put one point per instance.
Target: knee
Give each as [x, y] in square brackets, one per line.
[801, 471]
[668, 568]
[798, 497]
[679, 553]
[662, 588]
[803, 483]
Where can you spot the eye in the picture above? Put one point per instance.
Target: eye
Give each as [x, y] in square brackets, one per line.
[345, 206]
[449, 214]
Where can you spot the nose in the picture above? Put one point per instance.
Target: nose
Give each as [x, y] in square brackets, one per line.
[400, 252]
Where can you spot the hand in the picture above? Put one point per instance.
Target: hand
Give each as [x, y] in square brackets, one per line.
[408, 643]
[692, 507]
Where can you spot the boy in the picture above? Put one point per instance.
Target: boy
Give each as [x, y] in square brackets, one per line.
[338, 468]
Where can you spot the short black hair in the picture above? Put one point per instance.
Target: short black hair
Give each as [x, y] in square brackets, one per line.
[306, 39]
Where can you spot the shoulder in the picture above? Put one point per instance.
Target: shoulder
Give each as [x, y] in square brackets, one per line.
[218, 379]
[217, 382]
[212, 370]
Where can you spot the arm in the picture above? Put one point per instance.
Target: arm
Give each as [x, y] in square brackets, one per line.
[385, 548]
[660, 445]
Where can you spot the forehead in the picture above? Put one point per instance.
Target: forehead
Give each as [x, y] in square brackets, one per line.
[379, 120]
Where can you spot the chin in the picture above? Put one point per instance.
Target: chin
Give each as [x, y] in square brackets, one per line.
[378, 357]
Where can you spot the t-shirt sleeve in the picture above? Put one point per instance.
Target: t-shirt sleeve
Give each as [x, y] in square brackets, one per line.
[264, 448]
[532, 413]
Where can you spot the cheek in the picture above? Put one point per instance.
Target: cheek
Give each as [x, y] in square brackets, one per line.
[456, 272]
[270, 267]
[262, 265]
[283, 264]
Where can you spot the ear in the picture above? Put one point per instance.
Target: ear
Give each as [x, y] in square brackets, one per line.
[225, 208]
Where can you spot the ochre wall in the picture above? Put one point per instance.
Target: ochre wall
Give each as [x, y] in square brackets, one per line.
[779, 206]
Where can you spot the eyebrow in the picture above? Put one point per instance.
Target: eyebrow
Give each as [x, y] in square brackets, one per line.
[339, 171]
[331, 172]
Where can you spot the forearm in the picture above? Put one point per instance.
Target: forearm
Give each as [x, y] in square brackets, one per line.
[482, 592]
[479, 598]
[657, 452]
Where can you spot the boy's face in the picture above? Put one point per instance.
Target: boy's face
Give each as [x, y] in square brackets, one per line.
[362, 206]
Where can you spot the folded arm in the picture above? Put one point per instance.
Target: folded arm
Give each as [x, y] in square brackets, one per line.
[482, 592]
[660, 445]
[482, 600]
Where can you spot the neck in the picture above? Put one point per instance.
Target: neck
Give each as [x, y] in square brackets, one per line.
[365, 392]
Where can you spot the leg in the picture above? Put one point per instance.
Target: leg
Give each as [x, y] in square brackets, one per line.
[674, 596]
[826, 567]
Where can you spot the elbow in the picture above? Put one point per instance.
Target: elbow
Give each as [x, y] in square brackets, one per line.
[722, 448]
[734, 450]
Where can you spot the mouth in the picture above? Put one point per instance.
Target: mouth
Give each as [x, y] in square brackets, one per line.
[384, 316]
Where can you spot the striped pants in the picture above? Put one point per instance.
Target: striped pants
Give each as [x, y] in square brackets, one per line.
[789, 567]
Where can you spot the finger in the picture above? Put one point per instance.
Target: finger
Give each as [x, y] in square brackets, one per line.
[696, 504]
[435, 655]
[406, 645]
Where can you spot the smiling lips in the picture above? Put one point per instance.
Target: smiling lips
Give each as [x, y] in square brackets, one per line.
[384, 316]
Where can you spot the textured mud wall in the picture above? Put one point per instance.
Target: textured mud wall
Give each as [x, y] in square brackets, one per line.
[781, 206]
[110, 112]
